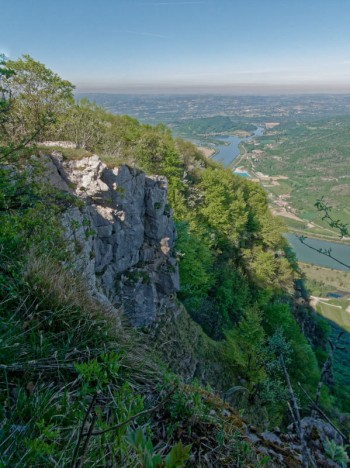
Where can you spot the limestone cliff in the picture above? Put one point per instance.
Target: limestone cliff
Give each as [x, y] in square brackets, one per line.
[123, 235]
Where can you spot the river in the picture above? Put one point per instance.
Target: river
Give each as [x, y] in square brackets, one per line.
[229, 150]
[307, 255]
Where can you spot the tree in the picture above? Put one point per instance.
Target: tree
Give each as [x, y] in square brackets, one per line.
[224, 207]
[156, 153]
[254, 356]
[268, 269]
[39, 97]
[196, 264]
[83, 124]
[280, 316]
[5, 95]
[244, 348]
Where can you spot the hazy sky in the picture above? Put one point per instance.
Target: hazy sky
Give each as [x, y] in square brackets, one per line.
[166, 44]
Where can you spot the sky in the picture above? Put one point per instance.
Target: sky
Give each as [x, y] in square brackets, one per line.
[185, 45]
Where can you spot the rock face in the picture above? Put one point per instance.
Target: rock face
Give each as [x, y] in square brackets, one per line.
[123, 235]
[286, 450]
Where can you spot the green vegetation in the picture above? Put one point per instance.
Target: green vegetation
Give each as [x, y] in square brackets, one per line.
[39, 95]
[76, 388]
[336, 453]
[331, 291]
[340, 371]
[320, 281]
[315, 158]
[207, 126]
[67, 365]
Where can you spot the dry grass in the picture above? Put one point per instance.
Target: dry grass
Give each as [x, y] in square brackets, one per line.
[65, 289]
[68, 153]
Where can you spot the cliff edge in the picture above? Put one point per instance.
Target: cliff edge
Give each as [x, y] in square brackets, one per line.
[122, 235]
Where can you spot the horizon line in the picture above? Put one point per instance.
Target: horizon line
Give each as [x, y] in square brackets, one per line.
[256, 88]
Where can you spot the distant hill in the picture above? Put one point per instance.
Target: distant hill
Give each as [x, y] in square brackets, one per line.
[212, 125]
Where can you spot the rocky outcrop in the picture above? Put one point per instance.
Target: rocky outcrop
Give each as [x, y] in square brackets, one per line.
[62, 144]
[122, 234]
[284, 449]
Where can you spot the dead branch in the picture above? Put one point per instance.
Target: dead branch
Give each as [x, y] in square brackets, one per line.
[307, 459]
[86, 442]
[92, 404]
[318, 409]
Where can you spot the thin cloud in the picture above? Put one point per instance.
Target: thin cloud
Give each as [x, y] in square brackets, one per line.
[173, 3]
[144, 33]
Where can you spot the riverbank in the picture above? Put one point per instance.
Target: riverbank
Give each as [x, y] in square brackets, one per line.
[312, 235]
[208, 152]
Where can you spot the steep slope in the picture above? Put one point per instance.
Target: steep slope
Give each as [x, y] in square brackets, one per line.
[118, 261]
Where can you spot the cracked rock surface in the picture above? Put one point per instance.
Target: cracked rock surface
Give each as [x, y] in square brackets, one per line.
[123, 234]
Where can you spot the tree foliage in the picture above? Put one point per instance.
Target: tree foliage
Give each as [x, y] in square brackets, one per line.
[82, 124]
[5, 94]
[39, 97]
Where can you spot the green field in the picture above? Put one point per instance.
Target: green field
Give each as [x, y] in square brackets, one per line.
[341, 371]
[315, 158]
[320, 283]
[335, 312]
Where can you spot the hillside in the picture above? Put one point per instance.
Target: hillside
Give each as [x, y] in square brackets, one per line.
[298, 163]
[148, 320]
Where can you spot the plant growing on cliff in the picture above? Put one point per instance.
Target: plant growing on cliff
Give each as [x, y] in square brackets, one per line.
[337, 453]
[148, 457]
[244, 349]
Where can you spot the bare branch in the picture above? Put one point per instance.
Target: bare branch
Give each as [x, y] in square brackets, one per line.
[92, 404]
[318, 409]
[326, 252]
[80, 462]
